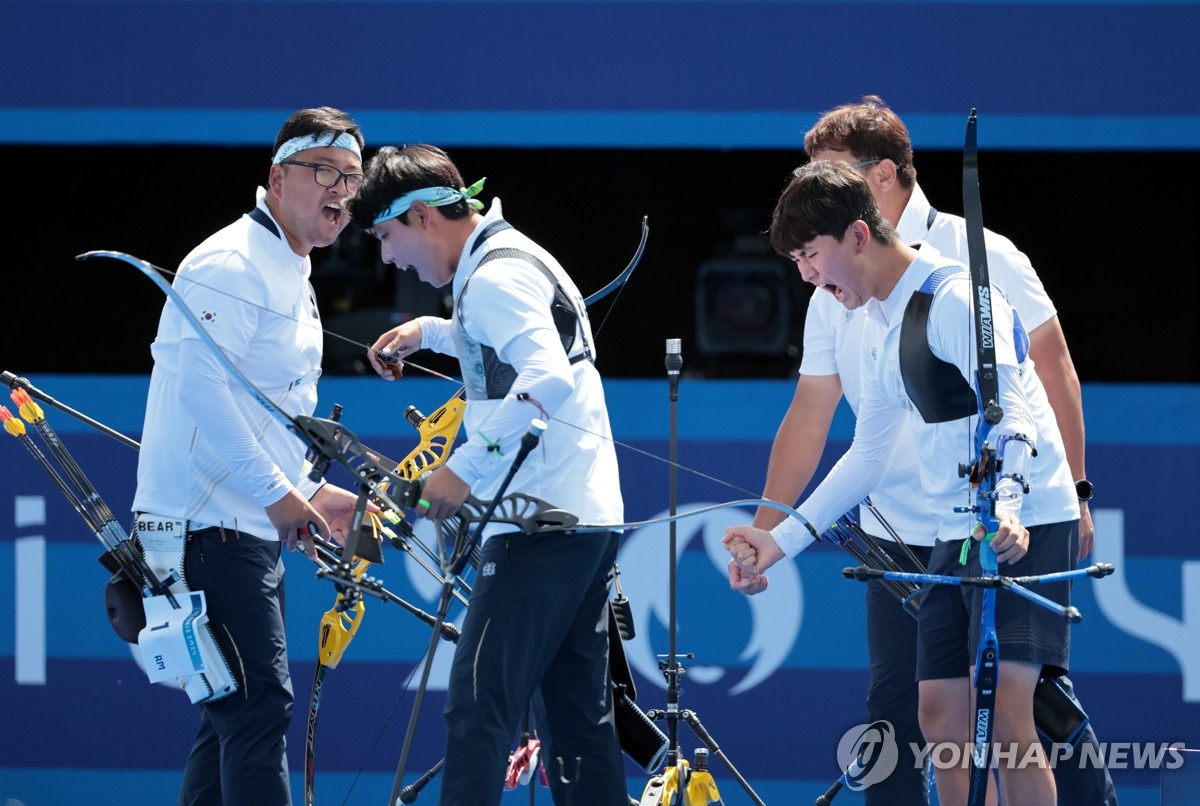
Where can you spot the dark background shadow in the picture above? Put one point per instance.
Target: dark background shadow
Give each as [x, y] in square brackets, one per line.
[1111, 234]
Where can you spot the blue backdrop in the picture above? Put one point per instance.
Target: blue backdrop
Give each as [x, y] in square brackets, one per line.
[602, 73]
[776, 679]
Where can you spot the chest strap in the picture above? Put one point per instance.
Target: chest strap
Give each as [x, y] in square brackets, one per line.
[934, 386]
[498, 375]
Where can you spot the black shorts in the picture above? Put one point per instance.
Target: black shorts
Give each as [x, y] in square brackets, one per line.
[948, 628]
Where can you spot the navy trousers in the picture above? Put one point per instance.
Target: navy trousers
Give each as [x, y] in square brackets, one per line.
[239, 757]
[538, 620]
[892, 687]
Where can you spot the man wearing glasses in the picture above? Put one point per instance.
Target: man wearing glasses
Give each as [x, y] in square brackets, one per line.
[221, 485]
[873, 139]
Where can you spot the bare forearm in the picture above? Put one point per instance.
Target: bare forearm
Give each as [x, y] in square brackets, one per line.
[1048, 347]
[794, 458]
[1056, 370]
[799, 444]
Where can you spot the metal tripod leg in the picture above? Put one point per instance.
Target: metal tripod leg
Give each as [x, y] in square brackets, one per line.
[660, 785]
[711, 743]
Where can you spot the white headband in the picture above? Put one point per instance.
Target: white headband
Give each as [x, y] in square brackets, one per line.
[297, 144]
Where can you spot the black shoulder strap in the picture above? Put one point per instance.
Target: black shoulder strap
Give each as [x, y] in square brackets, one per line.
[562, 309]
[935, 387]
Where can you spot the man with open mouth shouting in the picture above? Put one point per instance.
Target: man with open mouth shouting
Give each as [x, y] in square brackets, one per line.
[221, 485]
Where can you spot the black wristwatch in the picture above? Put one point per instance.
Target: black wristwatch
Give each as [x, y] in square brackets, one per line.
[1084, 490]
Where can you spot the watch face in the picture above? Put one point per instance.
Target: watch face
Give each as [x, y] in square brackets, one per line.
[1083, 489]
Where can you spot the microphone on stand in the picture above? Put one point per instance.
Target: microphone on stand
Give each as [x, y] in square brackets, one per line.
[671, 669]
[674, 362]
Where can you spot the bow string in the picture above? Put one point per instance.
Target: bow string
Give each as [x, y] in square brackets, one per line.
[340, 623]
[340, 445]
[396, 486]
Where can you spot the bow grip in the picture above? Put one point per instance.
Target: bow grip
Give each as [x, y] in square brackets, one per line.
[336, 630]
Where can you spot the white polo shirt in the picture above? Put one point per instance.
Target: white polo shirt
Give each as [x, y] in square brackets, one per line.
[885, 413]
[210, 453]
[507, 307]
[833, 346]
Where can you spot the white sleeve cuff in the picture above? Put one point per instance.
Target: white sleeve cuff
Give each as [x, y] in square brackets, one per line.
[793, 537]
[307, 487]
[436, 334]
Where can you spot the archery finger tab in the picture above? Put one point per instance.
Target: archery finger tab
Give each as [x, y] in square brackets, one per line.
[392, 359]
[305, 538]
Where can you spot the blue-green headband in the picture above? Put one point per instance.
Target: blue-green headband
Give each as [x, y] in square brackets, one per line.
[434, 197]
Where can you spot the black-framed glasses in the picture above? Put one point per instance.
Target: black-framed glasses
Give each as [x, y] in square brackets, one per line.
[865, 163]
[327, 176]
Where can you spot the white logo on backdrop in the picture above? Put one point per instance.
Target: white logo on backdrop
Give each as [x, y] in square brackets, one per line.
[1178, 636]
[776, 615]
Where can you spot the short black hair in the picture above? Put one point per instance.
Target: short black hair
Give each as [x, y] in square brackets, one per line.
[394, 171]
[317, 121]
[824, 198]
